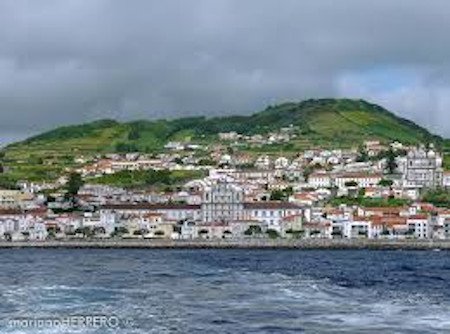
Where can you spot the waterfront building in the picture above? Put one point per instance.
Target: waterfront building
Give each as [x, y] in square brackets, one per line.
[418, 226]
[222, 202]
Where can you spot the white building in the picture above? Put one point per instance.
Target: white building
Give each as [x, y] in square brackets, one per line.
[446, 180]
[423, 169]
[418, 226]
[222, 202]
[320, 180]
[363, 180]
[281, 163]
[272, 215]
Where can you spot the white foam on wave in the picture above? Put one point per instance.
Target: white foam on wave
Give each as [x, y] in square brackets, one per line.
[355, 309]
[320, 304]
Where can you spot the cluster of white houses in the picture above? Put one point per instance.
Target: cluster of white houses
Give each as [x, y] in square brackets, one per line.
[222, 213]
[232, 203]
[230, 217]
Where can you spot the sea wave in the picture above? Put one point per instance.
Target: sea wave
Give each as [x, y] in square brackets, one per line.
[231, 291]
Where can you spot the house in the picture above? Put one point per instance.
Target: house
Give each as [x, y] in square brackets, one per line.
[271, 214]
[171, 211]
[199, 230]
[362, 180]
[321, 229]
[263, 162]
[291, 225]
[189, 230]
[14, 199]
[320, 180]
[446, 179]
[357, 228]
[281, 163]
[391, 227]
[304, 199]
[161, 230]
[446, 225]
[418, 226]
[232, 135]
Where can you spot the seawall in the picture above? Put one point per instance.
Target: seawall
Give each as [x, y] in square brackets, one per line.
[236, 244]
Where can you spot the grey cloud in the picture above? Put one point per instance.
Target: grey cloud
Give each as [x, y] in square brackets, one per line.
[78, 60]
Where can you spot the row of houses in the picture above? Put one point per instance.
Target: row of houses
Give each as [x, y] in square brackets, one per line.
[181, 221]
[341, 180]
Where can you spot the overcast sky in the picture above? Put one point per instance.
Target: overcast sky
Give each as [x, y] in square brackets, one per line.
[73, 61]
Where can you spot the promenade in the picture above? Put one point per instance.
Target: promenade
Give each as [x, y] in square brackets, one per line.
[236, 244]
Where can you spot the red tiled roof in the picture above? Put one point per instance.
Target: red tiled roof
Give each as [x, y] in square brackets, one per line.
[388, 221]
[418, 216]
[7, 212]
[151, 206]
[271, 205]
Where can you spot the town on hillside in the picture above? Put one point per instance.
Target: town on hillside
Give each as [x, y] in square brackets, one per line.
[375, 191]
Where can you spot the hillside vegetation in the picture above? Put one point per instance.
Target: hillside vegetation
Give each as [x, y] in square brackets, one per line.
[323, 122]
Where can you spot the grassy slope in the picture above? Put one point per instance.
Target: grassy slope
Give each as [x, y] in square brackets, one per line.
[158, 179]
[325, 122]
[447, 154]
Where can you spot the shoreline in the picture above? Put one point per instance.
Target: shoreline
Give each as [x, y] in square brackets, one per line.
[332, 244]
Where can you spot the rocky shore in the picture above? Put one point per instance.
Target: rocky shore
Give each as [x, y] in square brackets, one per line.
[235, 244]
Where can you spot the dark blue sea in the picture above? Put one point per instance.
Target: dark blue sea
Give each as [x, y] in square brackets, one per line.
[224, 291]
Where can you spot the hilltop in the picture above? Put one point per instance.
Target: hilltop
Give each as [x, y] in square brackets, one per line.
[320, 122]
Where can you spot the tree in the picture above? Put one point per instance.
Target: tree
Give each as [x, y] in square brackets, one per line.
[391, 163]
[362, 155]
[203, 232]
[126, 148]
[307, 172]
[351, 184]
[385, 231]
[295, 233]
[206, 162]
[99, 230]
[361, 192]
[119, 231]
[281, 195]
[273, 234]
[439, 197]
[336, 233]
[74, 184]
[134, 133]
[178, 161]
[289, 191]
[386, 183]
[253, 229]
[86, 231]
[277, 195]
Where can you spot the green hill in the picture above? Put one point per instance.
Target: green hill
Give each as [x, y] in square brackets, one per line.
[322, 122]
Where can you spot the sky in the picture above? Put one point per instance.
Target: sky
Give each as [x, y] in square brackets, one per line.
[73, 61]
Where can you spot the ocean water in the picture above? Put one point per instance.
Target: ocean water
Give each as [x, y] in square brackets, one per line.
[224, 291]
